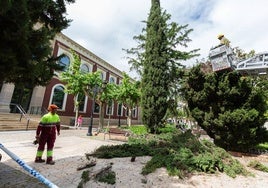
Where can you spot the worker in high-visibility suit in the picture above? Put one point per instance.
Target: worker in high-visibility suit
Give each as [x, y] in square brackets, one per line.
[46, 134]
[223, 40]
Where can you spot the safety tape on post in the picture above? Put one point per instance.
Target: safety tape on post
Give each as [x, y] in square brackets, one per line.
[28, 168]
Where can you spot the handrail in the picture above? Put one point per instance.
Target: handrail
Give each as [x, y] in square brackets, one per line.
[22, 112]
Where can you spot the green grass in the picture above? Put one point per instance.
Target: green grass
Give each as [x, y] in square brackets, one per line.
[263, 146]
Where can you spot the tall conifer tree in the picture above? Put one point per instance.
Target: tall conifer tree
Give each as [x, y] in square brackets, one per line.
[158, 61]
[155, 87]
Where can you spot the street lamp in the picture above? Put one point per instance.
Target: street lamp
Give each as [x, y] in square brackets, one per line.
[119, 114]
[119, 123]
[95, 92]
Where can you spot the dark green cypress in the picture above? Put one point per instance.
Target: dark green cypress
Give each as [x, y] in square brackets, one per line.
[155, 73]
[229, 107]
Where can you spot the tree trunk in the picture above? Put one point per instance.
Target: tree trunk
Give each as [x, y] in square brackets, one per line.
[101, 116]
[76, 105]
[129, 117]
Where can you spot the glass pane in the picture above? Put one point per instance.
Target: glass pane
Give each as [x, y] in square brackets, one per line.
[119, 110]
[65, 62]
[96, 108]
[109, 110]
[84, 68]
[112, 80]
[134, 113]
[58, 96]
[102, 75]
[81, 99]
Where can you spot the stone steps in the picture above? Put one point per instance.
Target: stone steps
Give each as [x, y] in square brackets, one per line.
[14, 121]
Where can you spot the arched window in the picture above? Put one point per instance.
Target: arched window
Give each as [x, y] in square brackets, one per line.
[58, 96]
[96, 108]
[112, 80]
[119, 109]
[134, 112]
[65, 62]
[84, 68]
[110, 109]
[82, 101]
[102, 75]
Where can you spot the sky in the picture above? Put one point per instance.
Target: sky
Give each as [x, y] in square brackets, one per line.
[105, 27]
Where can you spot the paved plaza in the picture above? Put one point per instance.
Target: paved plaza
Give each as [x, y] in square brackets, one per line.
[69, 153]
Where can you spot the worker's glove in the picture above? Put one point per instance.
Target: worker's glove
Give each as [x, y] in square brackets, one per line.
[36, 141]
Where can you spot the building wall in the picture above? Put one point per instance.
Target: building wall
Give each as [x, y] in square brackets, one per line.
[42, 96]
[63, 45]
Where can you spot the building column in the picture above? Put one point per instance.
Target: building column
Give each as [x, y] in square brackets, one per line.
[6, 96]
[37, 100]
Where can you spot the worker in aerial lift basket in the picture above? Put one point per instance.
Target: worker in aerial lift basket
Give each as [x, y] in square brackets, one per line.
[223, 40]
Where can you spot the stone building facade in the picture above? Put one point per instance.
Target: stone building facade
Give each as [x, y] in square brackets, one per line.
[36, 100]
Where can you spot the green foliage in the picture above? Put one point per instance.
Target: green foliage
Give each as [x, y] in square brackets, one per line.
[157, 60]
[84, 178]
[27, 28]
[180, 153]
[138, 130]
[258, 166]
[108, 178]
[228, 106]
[232, 168]
[155, 66]
[79, 83]
[128, 94]
[169, 128]
[153, 164]
[263, 146]
[124, 150]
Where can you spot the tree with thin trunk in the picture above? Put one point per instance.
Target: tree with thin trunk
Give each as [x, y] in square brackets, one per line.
[89, 84]
[128, 94]
[75, 81]
[158, 61]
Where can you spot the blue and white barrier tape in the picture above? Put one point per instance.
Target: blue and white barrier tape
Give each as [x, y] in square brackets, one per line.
[28, 168]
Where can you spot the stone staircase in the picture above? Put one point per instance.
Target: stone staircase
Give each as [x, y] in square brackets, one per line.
[14, 122]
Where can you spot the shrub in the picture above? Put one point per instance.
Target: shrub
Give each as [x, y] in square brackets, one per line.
[228, 106]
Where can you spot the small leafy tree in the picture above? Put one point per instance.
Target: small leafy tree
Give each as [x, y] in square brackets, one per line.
[94, 90]
[89, 84]
[75, 81]
[108, 97]
[228, 106]
[128, 93]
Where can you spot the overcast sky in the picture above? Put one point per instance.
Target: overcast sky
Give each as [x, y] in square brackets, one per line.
[105, 27]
